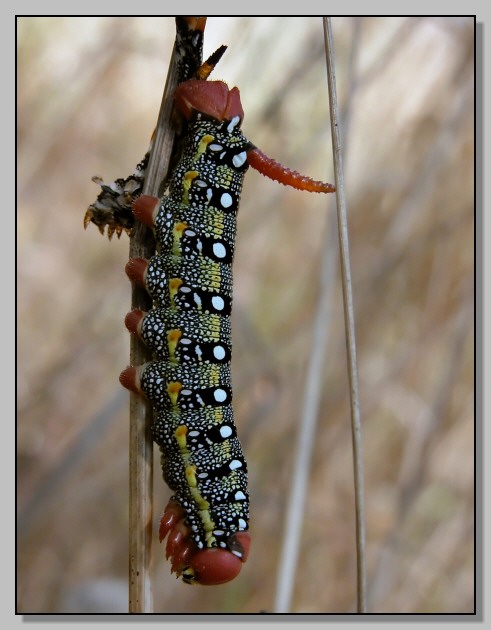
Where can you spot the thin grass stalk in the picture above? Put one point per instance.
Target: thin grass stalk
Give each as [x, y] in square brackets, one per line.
[141, 445]
[349, 321]
[310, 412]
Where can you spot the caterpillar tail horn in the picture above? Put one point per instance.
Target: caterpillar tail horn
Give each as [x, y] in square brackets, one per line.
[279, 173]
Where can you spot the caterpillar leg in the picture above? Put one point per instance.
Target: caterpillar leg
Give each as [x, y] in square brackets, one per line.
[146, 208]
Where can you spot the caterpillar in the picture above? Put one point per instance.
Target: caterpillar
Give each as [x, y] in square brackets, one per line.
[188, 330]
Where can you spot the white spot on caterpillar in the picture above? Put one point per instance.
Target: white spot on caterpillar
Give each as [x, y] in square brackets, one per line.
[203, 475]
[218, 532]
[240, 496]
[226, 200]
[233, 123]
[219, 250]
[185, 341]
[218, 303]
[220, 395]
[198, 351]
[219, 353]
[200, 183]
[215, 147]
[209, 194]
[197, 299]
[236, 553]
[242, 524]
[225, 431]
[234, 464]
[239, 159]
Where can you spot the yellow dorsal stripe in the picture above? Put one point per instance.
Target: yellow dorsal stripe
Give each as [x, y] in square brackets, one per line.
[203, 143]
[186, 184]
[190, 475]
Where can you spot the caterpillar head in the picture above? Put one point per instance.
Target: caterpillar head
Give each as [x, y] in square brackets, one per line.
[210, 566]
[212, 98]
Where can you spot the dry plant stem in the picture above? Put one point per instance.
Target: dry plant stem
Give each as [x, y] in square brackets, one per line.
[349, 321]
[141, 444]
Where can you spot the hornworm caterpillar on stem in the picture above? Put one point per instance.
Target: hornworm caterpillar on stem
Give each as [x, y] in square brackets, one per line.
[188, 329]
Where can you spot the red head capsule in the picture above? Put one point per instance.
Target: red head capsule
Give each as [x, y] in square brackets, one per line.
[208, 567]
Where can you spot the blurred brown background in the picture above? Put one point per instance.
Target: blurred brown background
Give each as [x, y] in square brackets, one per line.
[89, 91]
